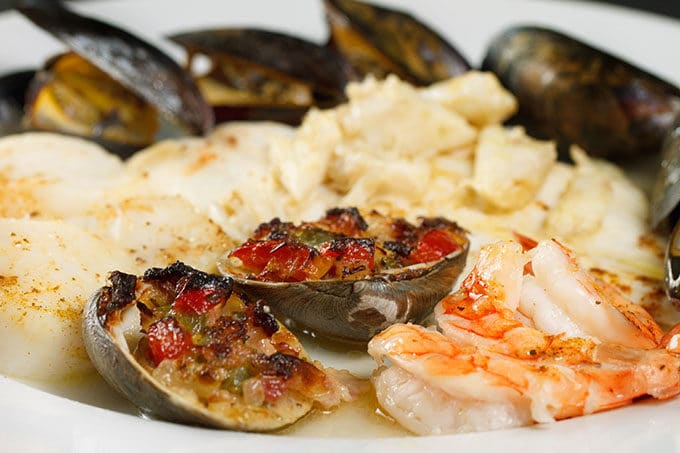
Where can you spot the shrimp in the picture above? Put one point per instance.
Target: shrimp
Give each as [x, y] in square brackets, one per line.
[511, 300]
[529, 337]
[463, 387]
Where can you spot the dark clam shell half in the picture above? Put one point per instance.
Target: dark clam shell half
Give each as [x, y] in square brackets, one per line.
[353, 311]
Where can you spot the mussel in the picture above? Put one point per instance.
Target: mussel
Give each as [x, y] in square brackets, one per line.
[135, 78]
[570, 91]
[319, 278]
[380, 41]
[204, 354]
[259, 73]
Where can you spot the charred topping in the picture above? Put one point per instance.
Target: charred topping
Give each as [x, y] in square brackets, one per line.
[401, 229]
[279, 364]
[347, 218]
[188, 277]
[119, 294]
[178, 278]
[397, 247]
[342, 245]
[262, 317]
[274, 225]
[224, 333]
[438, 222]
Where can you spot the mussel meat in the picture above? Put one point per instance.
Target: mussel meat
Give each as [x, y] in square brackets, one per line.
[570, 91]
[346, 277]
[380, 41]
[73, 96]
[204, 354]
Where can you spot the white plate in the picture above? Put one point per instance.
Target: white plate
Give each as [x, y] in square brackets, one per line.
[35, 420]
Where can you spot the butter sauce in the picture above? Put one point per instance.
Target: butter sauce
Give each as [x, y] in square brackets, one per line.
[359, 419]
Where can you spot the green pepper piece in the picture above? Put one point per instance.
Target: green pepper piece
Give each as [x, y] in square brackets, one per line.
[234, 380]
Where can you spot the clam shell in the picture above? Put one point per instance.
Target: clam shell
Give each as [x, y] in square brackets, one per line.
[106, 342]
[353, 311]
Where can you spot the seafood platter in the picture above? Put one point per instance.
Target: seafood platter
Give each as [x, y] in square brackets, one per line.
[382, 224]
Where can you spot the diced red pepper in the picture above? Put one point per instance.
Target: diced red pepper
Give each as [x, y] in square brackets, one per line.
[287, 263]
[274, 387]
[435, 244]
[351, 256]
[196, 301]
[344, 220]
[256, 255]
[358, 254]
[167, 340]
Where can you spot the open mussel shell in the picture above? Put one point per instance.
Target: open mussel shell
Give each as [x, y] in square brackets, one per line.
[72, 96]
[353, 311]
[380, 41]
[13, 88]
[570, 91]
[137, 65]
[279, 62]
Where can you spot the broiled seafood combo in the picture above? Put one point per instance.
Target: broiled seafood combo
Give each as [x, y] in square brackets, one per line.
[530, 337]
[206, 353]
[348, 276]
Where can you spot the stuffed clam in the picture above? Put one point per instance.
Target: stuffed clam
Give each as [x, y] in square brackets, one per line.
[186, 346]
[347, 276]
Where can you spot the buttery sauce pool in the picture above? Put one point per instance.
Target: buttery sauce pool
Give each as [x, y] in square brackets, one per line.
[359, 419]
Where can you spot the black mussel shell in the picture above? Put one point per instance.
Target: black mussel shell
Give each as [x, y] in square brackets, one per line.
[284, 56]
[140, 67]
[380, 41]
[575, 93]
